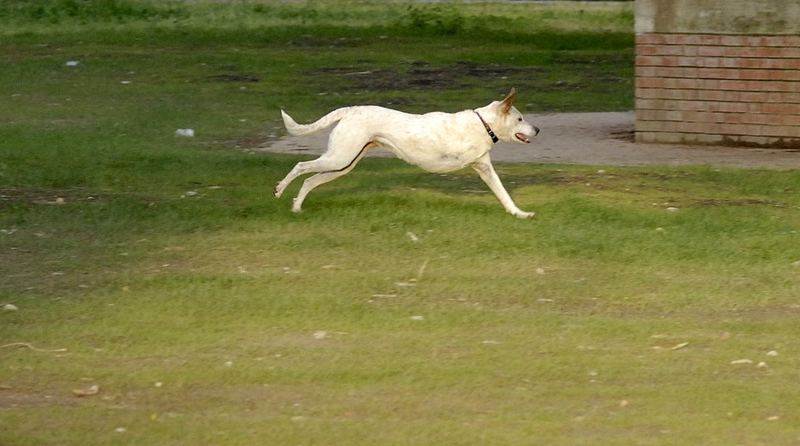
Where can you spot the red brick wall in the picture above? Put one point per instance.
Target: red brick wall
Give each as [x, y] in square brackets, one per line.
[712, 89]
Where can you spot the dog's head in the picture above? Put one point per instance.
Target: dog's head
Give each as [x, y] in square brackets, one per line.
[507, 122]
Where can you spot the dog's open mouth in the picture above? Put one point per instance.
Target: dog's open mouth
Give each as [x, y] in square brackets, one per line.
[522, 138]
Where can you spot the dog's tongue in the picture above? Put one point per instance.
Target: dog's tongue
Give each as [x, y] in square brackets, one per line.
[522, 138]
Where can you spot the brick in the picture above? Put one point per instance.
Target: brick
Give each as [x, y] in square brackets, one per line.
[712, 51]
[752, 96]
[718, 73]
[735, 41]
[761, 51]
[662, 115]
[689, 72]
[648, 61]
[659, 137]
[642, 71]
[689, 50]
[780, 131]
[791, 98]
[732, 96]
[708, 62]
[647, 50]
[688, 83]
[656, 126]
[782, 75]
[659, 72]
[733, 118]
[755, 74]
[663, 50]
[647, 93]
[650, 82]
[711, 95]
[650, 39]
[676, 39]
[780, 64]
[773, 86]
[728, 107]
[781, 109]
[736, 85]
[757, 118]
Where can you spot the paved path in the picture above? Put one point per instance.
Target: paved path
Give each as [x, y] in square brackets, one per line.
[591, 138]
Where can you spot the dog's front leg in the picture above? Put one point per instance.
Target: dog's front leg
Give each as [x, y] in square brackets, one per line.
[485, 169]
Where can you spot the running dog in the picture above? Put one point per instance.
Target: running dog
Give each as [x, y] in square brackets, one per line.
[437, 142]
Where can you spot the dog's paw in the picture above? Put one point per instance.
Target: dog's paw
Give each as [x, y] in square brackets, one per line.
[525, 215]
[277, 191]
[296, 206]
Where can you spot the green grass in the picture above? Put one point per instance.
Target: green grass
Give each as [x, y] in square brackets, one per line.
[569, 329]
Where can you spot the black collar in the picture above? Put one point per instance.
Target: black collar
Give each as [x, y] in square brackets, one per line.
[488, 129]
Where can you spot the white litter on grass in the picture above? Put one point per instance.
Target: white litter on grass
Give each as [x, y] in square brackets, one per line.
[672, 209]
[413, 237]
[741, 361]
[772, 353]
[10, 307]
[417, 318]
[187, 133]
[88, 391]
[320, 334]
[72, 63]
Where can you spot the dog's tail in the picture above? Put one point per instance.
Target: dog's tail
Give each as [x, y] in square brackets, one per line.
[303, 129]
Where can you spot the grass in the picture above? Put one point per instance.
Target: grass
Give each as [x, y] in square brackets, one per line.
[207, 313]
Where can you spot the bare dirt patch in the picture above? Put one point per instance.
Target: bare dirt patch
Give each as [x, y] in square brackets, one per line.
[422, 75]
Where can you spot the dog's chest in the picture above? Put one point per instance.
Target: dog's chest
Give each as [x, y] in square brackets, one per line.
[444, 157]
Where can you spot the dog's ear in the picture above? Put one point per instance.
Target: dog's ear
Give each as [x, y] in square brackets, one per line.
[505, 106]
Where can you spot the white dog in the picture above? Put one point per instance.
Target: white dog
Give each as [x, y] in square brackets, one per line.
[436, 142]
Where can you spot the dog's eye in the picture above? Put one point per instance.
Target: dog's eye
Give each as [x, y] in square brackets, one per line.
[519, 119]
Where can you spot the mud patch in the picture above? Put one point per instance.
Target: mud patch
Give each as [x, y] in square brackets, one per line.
[235, 77]
[713, 202]
[9, 196]
[423, 76]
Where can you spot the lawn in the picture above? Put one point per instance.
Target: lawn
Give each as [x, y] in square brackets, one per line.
[155, 293]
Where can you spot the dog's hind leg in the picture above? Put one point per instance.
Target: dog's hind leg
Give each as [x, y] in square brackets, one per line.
[323, 177]
[344, 146]
[322, 164]
[300, 168]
